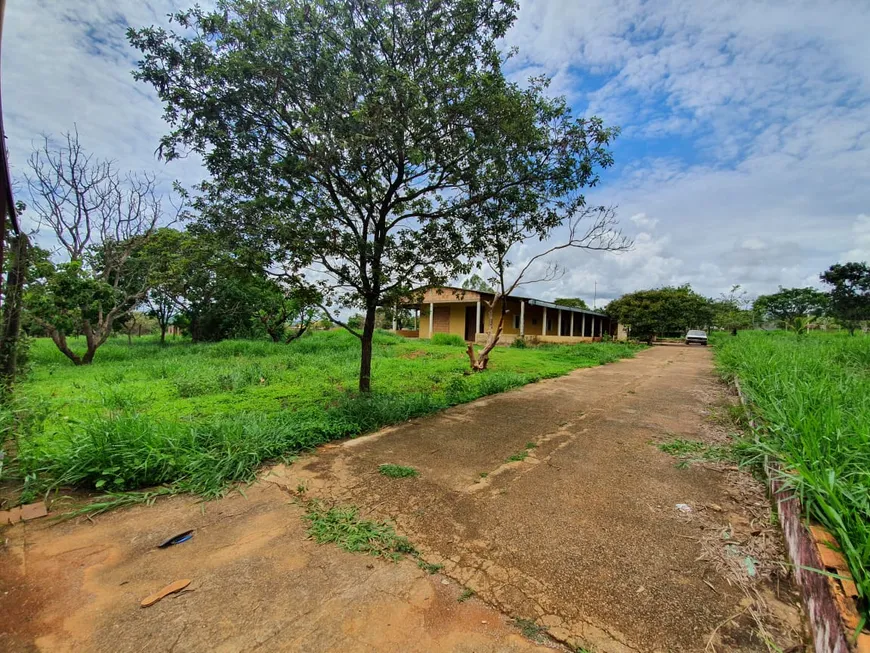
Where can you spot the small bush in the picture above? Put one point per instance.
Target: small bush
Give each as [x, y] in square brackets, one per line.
[398, 471]
[447, 339]
[519, 343]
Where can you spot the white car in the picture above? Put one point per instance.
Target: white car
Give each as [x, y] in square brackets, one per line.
[699, 337]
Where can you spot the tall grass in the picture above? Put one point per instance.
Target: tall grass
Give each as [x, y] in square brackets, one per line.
[202, 416]
[812, 396]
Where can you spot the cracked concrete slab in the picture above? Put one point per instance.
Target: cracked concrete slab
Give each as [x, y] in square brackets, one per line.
[581, 536]
[257, 585]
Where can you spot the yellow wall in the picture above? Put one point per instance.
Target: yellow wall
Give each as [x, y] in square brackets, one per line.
[457, 319]
[534, 321]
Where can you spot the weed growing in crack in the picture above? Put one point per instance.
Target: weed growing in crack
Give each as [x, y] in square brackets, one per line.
[518, 457]
[344, 527]
[429, 567]
[398, 471]
[529, 628]
[693, 451]
[465, 595]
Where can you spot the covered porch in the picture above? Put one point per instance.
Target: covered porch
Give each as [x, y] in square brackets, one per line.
[472, 315]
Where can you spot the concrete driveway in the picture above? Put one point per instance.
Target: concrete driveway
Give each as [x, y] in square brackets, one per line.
[579, 537]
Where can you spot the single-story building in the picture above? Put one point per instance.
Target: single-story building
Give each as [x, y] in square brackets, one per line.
[465, 313]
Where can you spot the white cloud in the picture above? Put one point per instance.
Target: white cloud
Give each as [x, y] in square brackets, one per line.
[860, 250]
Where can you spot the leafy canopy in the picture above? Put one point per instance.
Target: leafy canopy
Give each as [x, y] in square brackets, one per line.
[369, 141]
[850, 293]
[668, 310]
[791, 303]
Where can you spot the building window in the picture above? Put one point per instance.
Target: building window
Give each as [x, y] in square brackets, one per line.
[516, 321]
[535, 321]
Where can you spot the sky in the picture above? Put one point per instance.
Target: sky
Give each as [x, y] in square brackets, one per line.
[744, 154]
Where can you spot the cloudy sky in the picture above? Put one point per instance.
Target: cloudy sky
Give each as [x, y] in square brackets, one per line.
[745, 149]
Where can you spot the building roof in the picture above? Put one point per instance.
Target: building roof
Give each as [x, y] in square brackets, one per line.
[529, 300]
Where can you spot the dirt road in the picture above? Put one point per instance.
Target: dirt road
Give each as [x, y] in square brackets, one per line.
[581, 538]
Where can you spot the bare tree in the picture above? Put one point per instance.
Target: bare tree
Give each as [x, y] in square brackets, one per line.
[589, 228]
[99, 218]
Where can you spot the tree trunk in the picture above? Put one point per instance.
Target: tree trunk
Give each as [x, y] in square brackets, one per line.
[59, 339]
[365, 364]
[298, 334]
[481, 360]
[12, 313]
[162, 333]
[129, 338]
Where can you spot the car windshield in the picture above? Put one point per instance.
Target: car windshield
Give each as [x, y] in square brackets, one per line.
[697, 333]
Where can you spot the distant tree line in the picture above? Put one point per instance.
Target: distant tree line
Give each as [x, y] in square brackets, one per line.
[671, 311]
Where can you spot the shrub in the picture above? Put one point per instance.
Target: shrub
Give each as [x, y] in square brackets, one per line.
[519, 343]
[447, 339]
[397, 471]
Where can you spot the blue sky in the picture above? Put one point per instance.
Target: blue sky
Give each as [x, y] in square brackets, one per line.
[745, 149]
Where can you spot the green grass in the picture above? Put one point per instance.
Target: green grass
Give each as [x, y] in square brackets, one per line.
[398, 471]
[200, 417]
[448, 339]
[692, 451]
[344, 527]
[518, 457]
[811, 397]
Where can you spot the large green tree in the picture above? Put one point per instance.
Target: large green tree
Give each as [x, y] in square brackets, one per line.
[850, 293]
[668, 310]
[791, 308]
[362, 140]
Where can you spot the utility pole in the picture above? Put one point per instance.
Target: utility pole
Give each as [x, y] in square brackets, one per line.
[595, 295]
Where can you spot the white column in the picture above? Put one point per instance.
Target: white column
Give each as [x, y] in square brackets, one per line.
[544, 325]
[559, 323]
[571, 326]
[583, 326]
[596, 322]
[477, 324]
[395, 311]
[431, 318]
[522, 319]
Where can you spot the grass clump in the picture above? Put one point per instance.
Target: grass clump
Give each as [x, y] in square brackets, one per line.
[694, 451]
[811, 400]
[529, 628]
[448, 339]
[465, 595]
[429, 567]
[518, 457]
[344, 527]
[397, 471]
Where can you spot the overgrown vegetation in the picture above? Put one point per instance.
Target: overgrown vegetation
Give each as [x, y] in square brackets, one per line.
[811, 398]
[201, 416]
